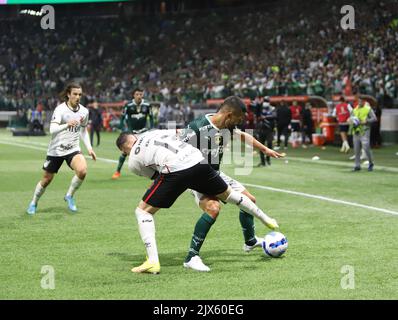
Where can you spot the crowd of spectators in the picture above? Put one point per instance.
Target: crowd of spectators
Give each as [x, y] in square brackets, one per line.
[188, 58]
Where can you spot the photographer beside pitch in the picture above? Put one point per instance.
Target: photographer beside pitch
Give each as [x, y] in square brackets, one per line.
[363, 116]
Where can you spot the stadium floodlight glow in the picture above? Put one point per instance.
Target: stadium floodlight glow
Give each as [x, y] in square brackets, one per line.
[32, 12]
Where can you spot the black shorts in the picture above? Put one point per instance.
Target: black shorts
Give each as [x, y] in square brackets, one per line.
[295, 126]
[168, 187]
[344, 127]
[52, 164]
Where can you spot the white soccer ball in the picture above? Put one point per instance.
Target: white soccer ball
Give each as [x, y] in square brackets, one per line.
[274, 244]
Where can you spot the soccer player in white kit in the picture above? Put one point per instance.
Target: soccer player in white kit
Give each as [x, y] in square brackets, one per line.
[68, 125]
[176, 166]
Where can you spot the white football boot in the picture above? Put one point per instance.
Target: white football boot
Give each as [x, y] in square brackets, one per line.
[247, 248]
[197, 264]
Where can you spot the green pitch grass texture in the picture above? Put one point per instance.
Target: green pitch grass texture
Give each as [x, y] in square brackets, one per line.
[93, 250]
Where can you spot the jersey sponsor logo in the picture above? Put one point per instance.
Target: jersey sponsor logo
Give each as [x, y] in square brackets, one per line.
[74, 129]
[66, 147]
[213, 152]
[218, 139]
[206, 128]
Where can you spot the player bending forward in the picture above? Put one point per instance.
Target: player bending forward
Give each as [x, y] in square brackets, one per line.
[68, 125]
[176, 167]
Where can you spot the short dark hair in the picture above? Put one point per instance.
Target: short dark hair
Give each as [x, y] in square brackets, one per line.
[137, 90]
[121, 140]
[342, 99]
[234, 104]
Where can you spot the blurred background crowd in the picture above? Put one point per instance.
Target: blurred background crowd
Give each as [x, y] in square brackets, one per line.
[184, 58]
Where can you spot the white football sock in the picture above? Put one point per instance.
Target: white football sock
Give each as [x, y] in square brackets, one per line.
[74, 185]
[146, 227]
[243, 202]
[38, 193]
[346, 145]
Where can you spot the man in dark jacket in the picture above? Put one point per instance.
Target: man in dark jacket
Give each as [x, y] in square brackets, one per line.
[265, 124]
[308, 124]
[95, 121]
[283, 118]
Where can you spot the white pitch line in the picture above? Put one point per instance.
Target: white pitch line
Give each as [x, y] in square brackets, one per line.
[307, 195]
[313, 196]
[18, 144]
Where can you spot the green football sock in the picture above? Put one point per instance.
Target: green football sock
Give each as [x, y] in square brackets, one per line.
[247, 223]
[122, 158]
[202, 227]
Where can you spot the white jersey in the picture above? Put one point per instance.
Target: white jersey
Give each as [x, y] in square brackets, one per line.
[161, 151]
[67, 141]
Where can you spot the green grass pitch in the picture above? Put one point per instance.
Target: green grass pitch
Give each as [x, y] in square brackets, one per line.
[93, 251]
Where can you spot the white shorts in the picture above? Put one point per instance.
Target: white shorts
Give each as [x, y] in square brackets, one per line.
[235, 185]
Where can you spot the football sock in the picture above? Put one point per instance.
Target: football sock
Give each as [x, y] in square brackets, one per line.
[74, 185]
[146, 227]
[122, 158]
[202, 227]
[246, 205]
[247, 223]
[38, 192]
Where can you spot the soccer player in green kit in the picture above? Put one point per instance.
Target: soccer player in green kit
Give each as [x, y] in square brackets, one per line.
[135, 115]
[210, 133]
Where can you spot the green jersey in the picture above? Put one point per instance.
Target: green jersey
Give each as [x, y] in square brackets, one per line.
[135, 116]
[204, 135]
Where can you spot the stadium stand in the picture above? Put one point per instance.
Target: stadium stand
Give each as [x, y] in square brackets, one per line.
[282, 48]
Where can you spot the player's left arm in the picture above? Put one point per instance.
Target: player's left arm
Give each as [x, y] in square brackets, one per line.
[251, 141]
[86, 138]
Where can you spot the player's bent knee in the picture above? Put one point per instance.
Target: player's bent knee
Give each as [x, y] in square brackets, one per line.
[213, 209]
[46, 180]
[81, 174]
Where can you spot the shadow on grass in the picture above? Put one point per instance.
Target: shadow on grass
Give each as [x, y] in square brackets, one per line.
[173, 259]
[50, 213]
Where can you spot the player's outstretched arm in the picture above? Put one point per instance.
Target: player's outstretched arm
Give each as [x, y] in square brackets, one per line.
[86, 140]
[251, 141]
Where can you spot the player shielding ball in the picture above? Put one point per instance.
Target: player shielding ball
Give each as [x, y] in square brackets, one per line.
[68, 126]
[211, 133]
[176, 167]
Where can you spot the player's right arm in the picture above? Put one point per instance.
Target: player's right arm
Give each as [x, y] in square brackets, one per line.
[56, 126]
[253, 142]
